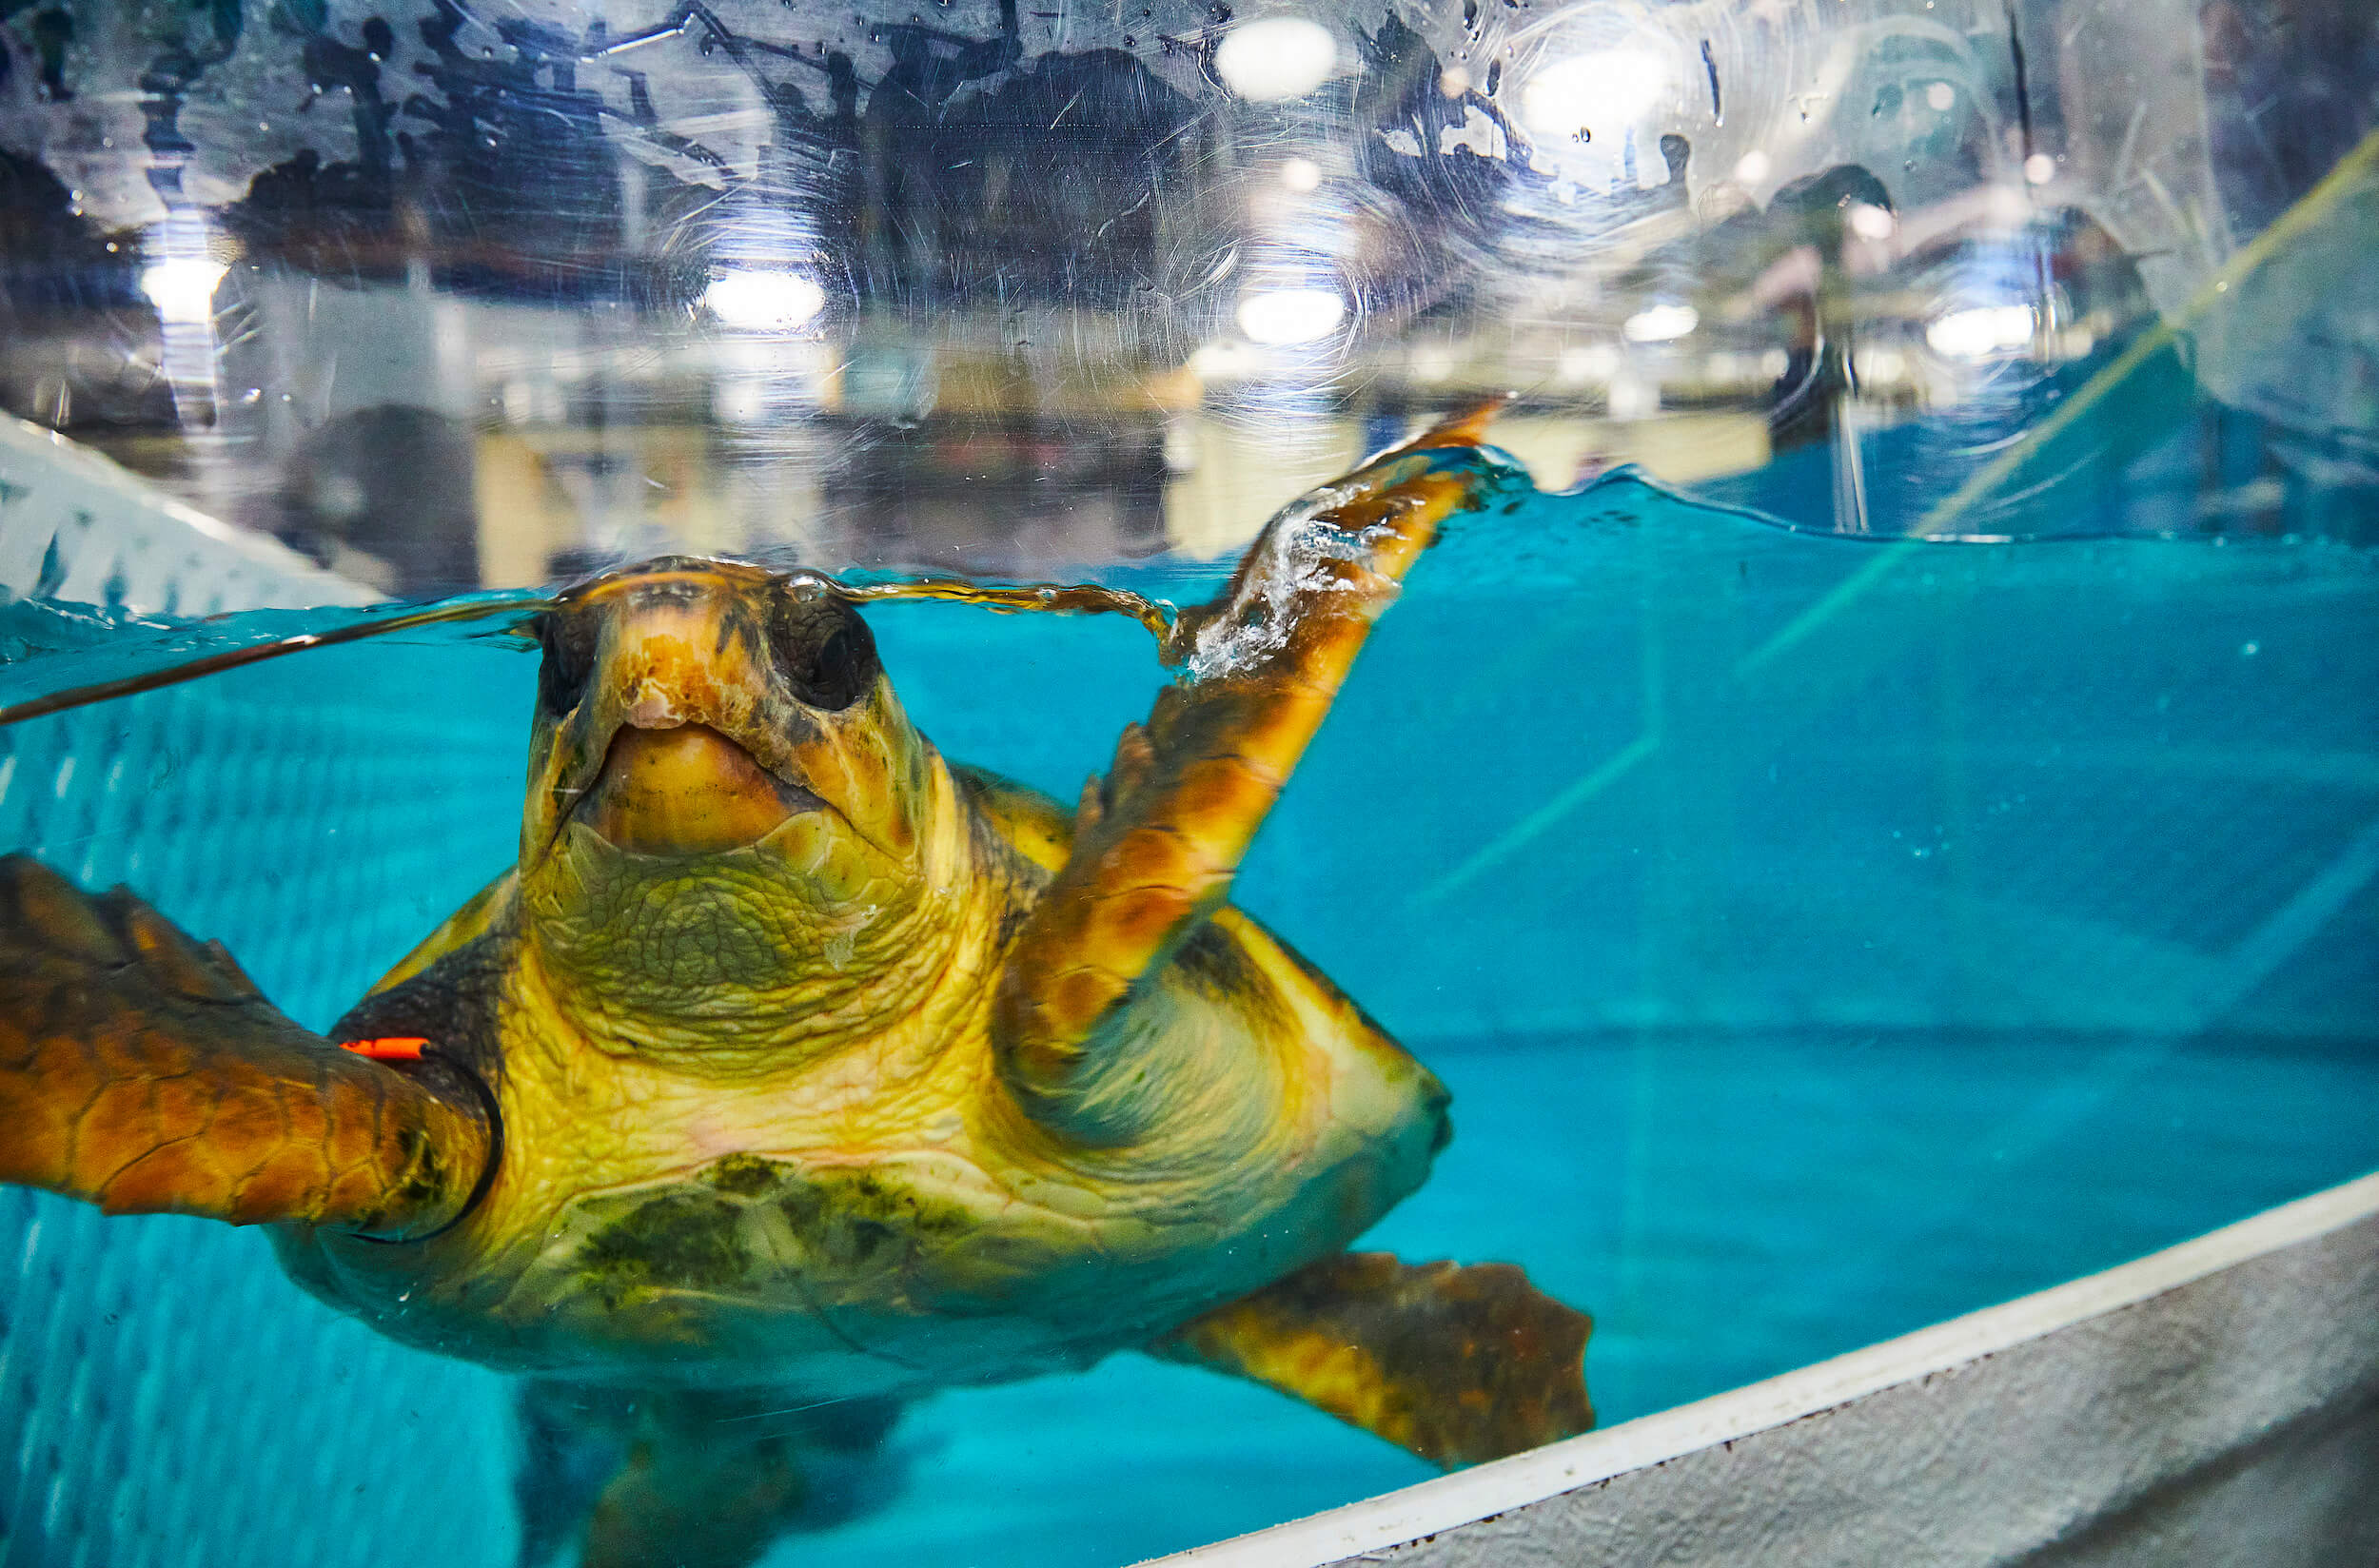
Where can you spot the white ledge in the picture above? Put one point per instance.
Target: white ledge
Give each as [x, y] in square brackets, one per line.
[1435, 1507]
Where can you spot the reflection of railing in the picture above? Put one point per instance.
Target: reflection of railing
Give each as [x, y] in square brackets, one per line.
[74, 526]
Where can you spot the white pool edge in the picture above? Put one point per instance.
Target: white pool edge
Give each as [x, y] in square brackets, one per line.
[1430, 1507]
[120, 540]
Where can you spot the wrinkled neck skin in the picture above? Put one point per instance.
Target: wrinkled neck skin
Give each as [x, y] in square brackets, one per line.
[765, 960]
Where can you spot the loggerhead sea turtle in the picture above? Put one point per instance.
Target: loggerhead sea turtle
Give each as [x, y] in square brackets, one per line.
[797, 1069]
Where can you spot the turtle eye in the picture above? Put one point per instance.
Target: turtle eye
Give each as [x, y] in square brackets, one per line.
[824, 651]
[569, 662]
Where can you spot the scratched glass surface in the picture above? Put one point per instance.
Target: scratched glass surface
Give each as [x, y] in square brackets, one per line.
[475, 295]
[1880, 814]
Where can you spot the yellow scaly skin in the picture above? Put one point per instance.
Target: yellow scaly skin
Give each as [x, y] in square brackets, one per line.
[755, 1132]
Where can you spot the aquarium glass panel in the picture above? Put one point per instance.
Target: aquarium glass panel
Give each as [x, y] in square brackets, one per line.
[594, 546]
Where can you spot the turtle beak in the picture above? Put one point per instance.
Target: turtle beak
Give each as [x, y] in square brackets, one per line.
[664, 754]
[684, 789]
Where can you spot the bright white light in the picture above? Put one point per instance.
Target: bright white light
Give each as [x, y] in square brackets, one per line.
[1985, 330]
[1752, 168]
[1453, 81]
[1881, 365]
[1302, 175]
[1940, 97]
[1588, 362]
[1279, 57]
[1632, 397]
[1869, 223]
[1224, 361]
[1291, 315]
[1662, 323]
[763, 301]
[2039, 168]
[1611, 88]
[183, 289]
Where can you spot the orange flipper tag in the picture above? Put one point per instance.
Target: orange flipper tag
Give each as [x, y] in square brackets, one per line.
[392, 1049]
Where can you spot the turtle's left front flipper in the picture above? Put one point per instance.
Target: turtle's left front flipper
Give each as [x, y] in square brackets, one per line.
[143, 1072]
[1158, 841]
[1460, 1366]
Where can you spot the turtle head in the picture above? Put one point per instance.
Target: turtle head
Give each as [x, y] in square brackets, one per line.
[730, 822]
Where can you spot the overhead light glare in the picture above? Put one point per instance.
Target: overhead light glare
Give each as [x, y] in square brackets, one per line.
[1223, 362]
[1291, 315]
[1277, 58]
[1871, 222]
[1608, 88]
[1982, 331]
[1588, 362]
[763, 301]
[183, 289]
[1662, 323]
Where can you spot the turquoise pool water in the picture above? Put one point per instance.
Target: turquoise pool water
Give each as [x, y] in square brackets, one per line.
[1821, 937]
[1730, 1205]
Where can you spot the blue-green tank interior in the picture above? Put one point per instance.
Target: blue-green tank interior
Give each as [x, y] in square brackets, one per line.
[1925, 855]
[1822, 938]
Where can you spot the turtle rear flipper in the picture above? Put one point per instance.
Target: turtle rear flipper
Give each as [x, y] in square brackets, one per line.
[144, 1073]
[1460, 1366]
[1158, 841]
[690, 1477]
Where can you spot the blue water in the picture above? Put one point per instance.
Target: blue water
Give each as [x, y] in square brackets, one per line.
[1821, 937]
[1730, 1207]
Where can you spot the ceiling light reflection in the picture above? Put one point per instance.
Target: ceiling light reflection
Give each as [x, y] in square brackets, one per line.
[1279, 57]
[1291, 315]
[1589, 363]
[763, 301]
[1871, 222]
[1662, 323]
[1225, 362]
[1983, 331]
[1613, 88]
[183, 289]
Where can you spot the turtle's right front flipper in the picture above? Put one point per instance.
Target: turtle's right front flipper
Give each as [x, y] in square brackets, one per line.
[143, 1072]
[1159, 840]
